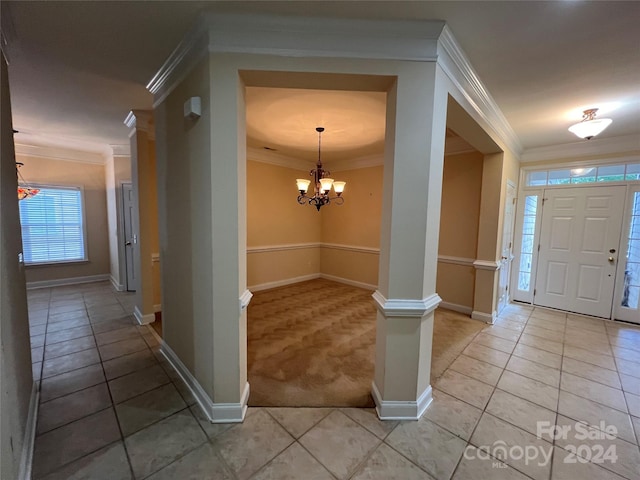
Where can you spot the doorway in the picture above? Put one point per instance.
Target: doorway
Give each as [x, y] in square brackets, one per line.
[129, 236]
[579, 249]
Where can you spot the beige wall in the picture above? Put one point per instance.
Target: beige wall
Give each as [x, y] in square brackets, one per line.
[16, 380]
[460, 215]
[282, 222]
[184, 181]
[461, 189]
[276, 219]
[356, 223]
[91, 178]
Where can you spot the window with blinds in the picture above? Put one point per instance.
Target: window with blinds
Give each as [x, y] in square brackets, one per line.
[53, 226]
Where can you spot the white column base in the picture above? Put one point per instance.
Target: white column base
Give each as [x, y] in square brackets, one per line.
[401, 410]
[143, 319]
[484, 317]
[215, 412]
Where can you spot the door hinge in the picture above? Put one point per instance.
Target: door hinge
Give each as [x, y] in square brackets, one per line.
[538, 247]
[514, 201]
[544, 200]
[534, 292]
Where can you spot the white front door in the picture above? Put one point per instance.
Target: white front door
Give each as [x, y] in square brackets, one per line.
[507, 243]
[579, 239]
[129, 236]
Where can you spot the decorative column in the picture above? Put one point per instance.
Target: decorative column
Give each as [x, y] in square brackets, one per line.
[406, 297]
[485, 297]
[145, 212]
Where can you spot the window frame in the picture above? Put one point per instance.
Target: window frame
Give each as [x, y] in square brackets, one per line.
[516, 293]
[83, 213]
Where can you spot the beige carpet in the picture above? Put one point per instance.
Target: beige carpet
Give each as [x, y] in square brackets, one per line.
[312, 344]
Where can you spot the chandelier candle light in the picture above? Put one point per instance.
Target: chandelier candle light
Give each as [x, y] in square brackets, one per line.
[590, 126]
[322, 184]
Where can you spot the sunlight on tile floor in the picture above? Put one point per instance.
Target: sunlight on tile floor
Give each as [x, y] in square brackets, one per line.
[533, 390]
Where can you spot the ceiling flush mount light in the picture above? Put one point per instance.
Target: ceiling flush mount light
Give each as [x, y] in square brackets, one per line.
[590, 126]
[24, 190]
[322, 184]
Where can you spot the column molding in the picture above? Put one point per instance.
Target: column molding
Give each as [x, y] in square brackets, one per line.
[400, 307]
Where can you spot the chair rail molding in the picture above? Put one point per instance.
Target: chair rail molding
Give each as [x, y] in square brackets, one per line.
[467, 262]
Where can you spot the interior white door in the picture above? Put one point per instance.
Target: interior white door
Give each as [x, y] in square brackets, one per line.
[507, 246]
[579, 238]
[129, 236]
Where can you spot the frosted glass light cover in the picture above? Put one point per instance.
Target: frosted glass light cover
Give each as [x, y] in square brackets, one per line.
[303, 184]
[326, 184]
[590, 128]
[339, 186]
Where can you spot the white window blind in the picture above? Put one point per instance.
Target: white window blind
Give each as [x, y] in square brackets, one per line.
[52, 226]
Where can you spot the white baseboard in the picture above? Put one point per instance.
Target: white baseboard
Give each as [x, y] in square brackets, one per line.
[311, 276]
[67, 281]
[484, 317]
[143, 319]
[26, 458]
[282, 283]
[157, 308]
[346, 281]
[116, 285]
[401, 410]
[215, 412]
[456, 308]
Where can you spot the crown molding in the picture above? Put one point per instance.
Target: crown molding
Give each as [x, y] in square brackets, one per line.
[456, 65]
[294, 36]
[180, 62]
[273, 158]
[121, 150]
[407, 40]
[33, 145]
[583, 148]
[140, 120]
[355, 163]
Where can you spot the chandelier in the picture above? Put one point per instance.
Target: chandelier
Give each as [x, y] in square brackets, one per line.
[322, 184]
[24, 190]
[590, 126]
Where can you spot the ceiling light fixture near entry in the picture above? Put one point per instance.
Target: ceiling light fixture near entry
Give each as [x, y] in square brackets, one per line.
[590, 126]
[322, 184]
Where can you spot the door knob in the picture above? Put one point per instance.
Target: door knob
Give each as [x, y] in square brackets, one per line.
[611, 259]
[127, 244]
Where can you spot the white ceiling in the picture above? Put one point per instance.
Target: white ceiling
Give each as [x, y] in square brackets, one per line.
[77, 68]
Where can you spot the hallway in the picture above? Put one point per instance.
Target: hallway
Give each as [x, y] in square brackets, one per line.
[112, 408]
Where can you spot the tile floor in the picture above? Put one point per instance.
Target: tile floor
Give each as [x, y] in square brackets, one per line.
[111, 407]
